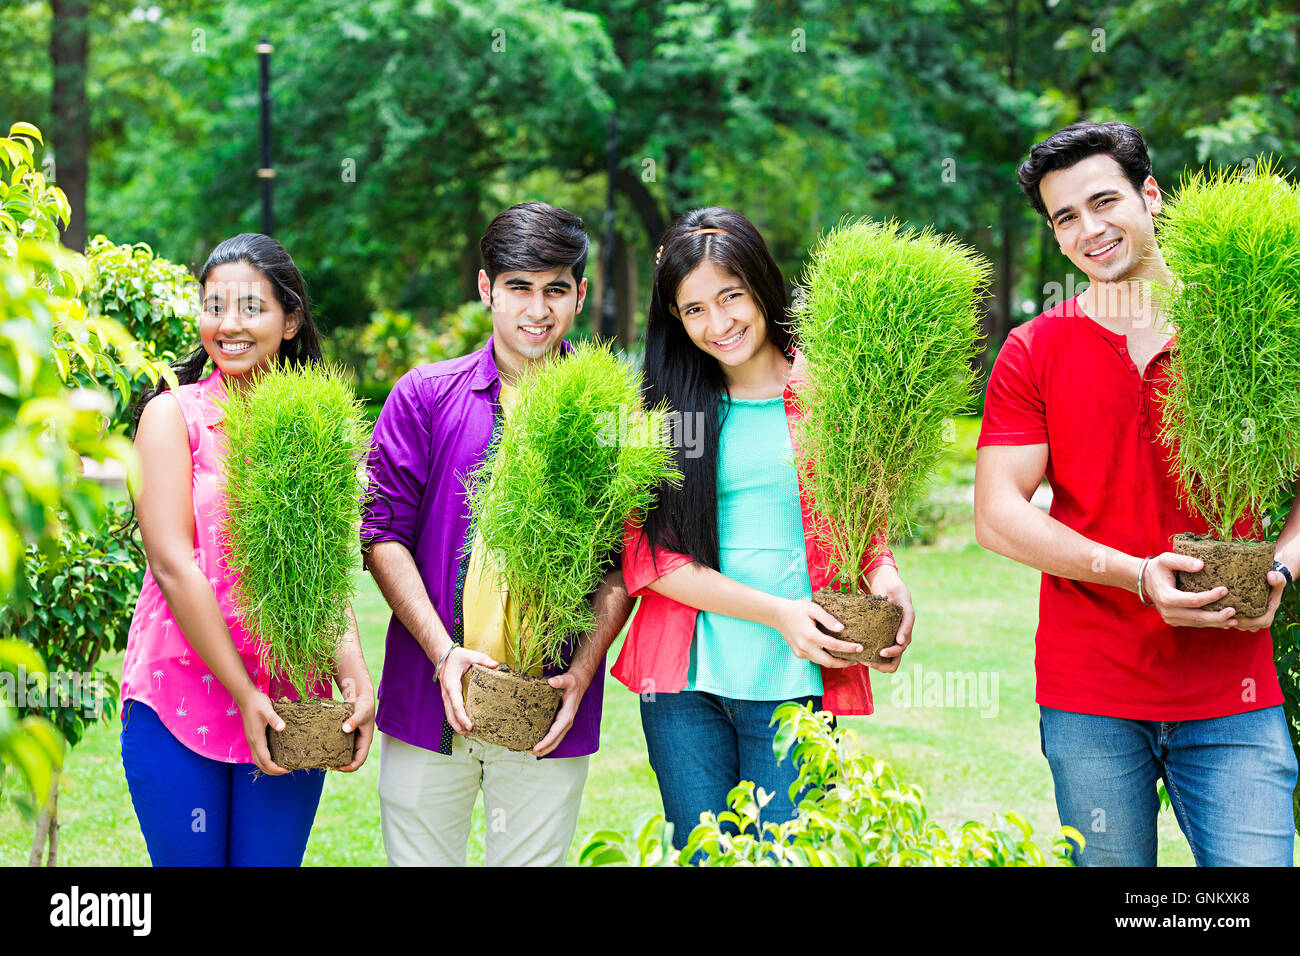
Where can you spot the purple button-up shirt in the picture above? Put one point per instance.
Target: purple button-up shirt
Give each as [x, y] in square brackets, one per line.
[434, 430]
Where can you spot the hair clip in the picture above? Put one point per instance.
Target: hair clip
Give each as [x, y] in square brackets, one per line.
[701, 232]
[659, 254]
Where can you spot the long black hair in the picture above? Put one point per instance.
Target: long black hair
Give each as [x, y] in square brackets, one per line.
[269, 258]
[692, 382]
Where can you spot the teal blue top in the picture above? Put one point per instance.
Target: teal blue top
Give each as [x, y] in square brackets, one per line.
[760, 538]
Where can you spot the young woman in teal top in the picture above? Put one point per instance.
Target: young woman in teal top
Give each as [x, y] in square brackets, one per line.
[719, 350]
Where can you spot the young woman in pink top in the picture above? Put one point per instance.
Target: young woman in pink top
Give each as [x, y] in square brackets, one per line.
[196, 697]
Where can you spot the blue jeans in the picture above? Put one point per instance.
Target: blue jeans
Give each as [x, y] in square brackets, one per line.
[195, 811]
[1229, 780]
[701, 745]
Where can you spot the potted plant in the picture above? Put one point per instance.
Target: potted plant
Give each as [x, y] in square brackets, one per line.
[549, 504]
[1232, 414]
[294, 486]
[889, 329]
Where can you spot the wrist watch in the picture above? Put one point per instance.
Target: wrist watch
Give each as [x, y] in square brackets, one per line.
[1284, 571]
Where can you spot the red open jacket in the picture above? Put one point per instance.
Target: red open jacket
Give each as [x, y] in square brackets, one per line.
[657, 650]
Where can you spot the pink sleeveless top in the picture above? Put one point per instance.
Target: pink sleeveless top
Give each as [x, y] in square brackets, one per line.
[160, 668]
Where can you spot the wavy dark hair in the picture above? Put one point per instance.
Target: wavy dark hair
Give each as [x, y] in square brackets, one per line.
[269, 258]
[1077, 142]
[692, 382]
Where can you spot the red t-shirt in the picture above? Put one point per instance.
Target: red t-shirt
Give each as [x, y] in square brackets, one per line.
[1065, 381]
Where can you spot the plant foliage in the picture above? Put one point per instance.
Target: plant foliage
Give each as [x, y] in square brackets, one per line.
[294, 487]
[561, 478]
[45, 427]
[852, 810]
[76, 606]
[889, 327]
[1232, 239]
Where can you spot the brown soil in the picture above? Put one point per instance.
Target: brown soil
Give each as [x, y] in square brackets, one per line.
[312, 737]
[508, 709]
[1241, 565]
[868, 619]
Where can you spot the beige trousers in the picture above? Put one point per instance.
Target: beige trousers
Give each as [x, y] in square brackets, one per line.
[426, 802]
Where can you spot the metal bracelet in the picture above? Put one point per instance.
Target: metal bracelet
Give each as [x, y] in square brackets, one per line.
[1141, 574]
[442, 660]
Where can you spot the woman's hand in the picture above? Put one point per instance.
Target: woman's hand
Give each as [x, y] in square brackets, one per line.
[257, 713]
[796, 621]
[886, 582]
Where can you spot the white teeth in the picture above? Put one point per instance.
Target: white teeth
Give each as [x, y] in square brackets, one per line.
[236, 346]
[534, 329]
[1106, 248]
[731, 341]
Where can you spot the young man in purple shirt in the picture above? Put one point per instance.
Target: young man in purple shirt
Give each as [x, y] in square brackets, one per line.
[435, 429]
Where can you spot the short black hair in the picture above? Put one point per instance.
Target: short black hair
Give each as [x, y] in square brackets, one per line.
[534, 237]
[1077, 142]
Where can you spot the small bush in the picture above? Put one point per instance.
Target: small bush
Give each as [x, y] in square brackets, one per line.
[558, 484]
[76, 606]
[854, 811]
[889, 328]
[294, 487]
[156, 300]
[1233, 408]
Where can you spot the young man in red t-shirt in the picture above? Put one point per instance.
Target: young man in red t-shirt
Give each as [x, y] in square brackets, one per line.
[1135, 681]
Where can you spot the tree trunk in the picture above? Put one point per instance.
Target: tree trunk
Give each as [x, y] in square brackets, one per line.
[47, 828]
[70, 135]
[625, 294]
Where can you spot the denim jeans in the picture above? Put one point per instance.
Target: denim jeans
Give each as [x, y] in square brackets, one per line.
[701, 745]
[1229, 780]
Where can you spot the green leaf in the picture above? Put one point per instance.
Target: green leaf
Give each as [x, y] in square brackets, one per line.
[26, 129]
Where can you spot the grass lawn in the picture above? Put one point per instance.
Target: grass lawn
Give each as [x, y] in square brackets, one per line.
[976, 614]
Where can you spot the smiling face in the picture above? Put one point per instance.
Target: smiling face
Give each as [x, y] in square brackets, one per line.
[1101, 223]
[242, 323]
[722, 317]
[531, 313]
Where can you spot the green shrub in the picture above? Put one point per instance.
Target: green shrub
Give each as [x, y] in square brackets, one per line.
[44, 426]
[154, 299]
[76, 605]
[560, 480]
[294, 486]
[392, 343]
[853, 810]
[1233, 409]
[889, 327]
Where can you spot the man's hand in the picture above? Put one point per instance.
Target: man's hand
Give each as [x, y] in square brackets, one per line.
[888, 583]
[1182, 608]
[362, 720]
[573, 684]
[450, 680]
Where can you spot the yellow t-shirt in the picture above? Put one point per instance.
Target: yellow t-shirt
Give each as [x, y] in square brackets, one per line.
[486, 600]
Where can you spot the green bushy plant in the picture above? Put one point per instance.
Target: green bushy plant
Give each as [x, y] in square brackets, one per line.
[154, 299]
[294, 487]
[461, 331]
[889, 327]
[393, 342]
[1232, 239]
[44, 426]
[76, 606]
[561, 478]
[853, 810]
